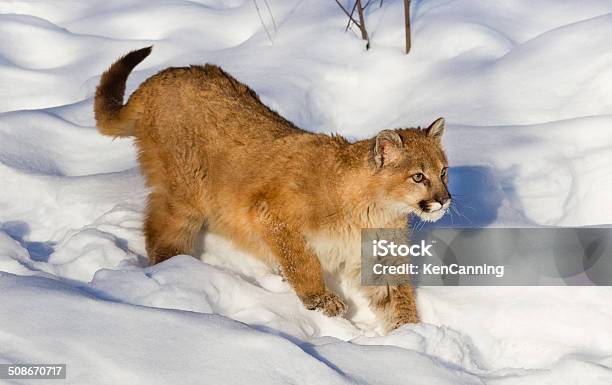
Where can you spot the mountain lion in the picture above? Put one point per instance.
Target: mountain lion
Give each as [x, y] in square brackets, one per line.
[215, 157]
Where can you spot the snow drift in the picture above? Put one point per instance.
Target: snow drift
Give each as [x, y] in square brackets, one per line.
[524, 87]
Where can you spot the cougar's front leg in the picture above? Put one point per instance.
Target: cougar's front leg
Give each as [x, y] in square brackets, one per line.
[300, 265]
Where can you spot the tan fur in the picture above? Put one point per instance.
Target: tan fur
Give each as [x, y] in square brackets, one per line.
[215, 156]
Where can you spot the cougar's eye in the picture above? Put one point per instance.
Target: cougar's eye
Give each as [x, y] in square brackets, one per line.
[418, 177]
[443, 173]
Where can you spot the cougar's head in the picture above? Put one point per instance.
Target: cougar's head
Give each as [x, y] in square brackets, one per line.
[411, 170]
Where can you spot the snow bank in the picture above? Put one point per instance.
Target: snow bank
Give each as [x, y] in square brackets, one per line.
[524, 88]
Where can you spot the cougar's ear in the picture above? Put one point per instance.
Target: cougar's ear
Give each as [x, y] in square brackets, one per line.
[436, 129]
[388, 147]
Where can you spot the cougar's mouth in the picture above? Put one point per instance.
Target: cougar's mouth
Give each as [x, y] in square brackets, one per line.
[432, 211]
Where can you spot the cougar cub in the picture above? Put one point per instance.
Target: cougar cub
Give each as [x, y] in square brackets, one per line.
[215, 156]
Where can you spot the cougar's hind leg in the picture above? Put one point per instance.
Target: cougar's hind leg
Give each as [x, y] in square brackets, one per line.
[394, 305]
[170, 227]
[153, 223]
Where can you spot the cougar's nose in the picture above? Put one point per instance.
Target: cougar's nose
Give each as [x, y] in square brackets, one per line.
[443, 199]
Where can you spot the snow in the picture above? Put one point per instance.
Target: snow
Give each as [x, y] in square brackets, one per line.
[524, 87]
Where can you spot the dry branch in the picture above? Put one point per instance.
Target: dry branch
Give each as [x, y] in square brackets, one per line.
[362, 28]
[361, 23]
[407, 25]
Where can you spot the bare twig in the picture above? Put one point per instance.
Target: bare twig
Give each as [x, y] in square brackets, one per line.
[347, 13]
[271, 16]
[263, 23]
[351, 17]
[407, 25]
[362, 28]
[361, 23]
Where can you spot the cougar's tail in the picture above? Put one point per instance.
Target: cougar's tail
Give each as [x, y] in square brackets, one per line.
[112, 117]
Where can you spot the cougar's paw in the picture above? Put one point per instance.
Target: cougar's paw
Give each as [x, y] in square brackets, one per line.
[329, 302]
[403, 319]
